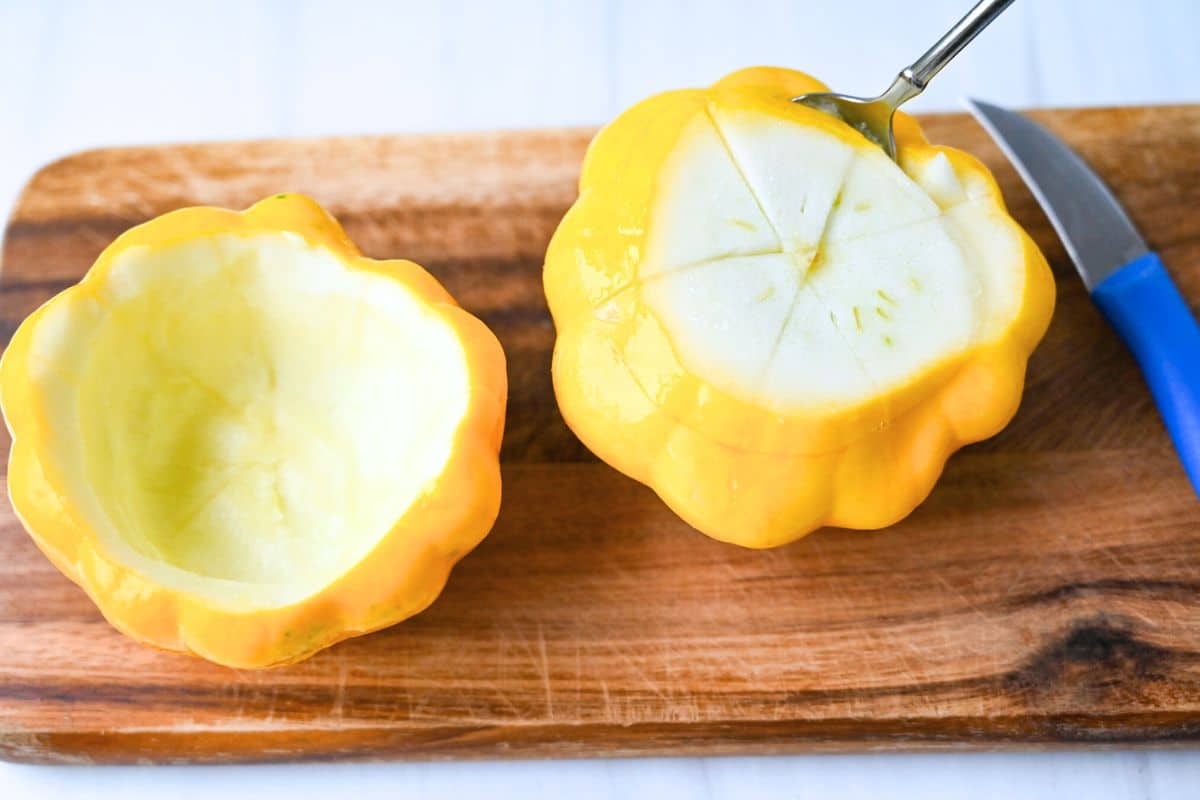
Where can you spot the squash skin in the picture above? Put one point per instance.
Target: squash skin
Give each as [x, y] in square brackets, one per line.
[731, 469]
[402, 574]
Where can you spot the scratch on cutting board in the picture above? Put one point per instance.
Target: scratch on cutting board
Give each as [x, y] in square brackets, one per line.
[578, 678]
[545, 670]
[339, 697]
[967, 603]
[273, 698]
[502, 696]
[639, 671]
[1122, 565]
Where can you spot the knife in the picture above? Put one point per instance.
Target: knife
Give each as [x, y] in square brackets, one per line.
[1126, 279]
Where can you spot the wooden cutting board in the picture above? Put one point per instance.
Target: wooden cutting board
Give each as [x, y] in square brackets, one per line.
[1047, 594]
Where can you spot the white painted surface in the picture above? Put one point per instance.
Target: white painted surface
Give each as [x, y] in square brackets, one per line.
[77, 74]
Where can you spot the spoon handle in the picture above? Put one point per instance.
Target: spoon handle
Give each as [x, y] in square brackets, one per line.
[924, 68]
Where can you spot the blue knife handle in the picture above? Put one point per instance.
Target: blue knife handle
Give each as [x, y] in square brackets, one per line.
[1143, 304]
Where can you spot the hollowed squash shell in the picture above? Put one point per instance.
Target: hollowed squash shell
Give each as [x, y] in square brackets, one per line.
[245, 440]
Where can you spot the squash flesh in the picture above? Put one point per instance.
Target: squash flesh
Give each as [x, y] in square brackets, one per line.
[244, 425]
[821, 276]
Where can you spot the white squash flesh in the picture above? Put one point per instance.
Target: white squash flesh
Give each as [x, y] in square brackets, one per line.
[237, 416]
[799, 271]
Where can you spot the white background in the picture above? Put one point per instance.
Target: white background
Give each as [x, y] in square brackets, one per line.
[82, 74]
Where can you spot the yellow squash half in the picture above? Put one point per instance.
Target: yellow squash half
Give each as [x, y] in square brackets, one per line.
[245, 440]
[773, 325]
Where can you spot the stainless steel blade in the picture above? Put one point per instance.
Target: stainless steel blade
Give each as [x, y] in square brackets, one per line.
[1098, 234]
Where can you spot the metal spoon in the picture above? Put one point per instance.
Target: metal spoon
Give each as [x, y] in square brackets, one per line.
[872, 116]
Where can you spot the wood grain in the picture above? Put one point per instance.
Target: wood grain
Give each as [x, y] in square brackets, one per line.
[1047, 594]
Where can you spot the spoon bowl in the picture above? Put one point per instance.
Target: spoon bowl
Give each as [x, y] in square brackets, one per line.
[872, 116]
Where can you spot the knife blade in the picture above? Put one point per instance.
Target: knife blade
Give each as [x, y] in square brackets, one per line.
[1126, 279]
[1098, 234]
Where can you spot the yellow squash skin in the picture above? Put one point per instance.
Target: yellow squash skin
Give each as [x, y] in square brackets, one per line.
[399, 577]
[733, 470]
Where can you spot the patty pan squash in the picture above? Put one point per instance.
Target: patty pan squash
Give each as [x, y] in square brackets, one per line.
[245, 440]
[774, 326]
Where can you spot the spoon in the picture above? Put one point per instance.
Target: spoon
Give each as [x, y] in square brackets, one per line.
[872, 116]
